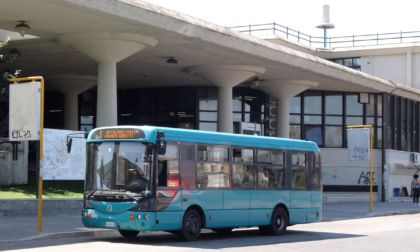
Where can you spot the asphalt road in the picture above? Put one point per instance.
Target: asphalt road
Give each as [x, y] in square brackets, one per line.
[388, 233]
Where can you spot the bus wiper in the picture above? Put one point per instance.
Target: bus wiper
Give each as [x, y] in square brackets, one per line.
[90, 194]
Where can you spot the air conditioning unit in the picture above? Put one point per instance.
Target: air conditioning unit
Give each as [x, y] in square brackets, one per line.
[272, 111]
[414, 157]
[272, 124]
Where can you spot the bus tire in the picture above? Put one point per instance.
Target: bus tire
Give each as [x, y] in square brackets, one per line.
[279, 222]
[191, 226]
[128, 233]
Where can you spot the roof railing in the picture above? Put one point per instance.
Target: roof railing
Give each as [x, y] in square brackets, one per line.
[332, 42]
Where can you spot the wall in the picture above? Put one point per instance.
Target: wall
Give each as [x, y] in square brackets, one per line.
[400, 171]
[387, 67]
[338, 170]
[13, 172]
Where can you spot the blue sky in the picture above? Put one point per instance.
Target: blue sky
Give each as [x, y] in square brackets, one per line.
[355, 17]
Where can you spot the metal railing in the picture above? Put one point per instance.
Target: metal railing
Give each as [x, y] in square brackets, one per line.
[332, 42]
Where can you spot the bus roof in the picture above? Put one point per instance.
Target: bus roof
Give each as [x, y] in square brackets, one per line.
[208, 137]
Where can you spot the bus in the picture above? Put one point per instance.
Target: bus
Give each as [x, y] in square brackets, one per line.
[145, 178]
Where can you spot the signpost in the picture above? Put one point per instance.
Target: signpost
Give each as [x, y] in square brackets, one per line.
[26, 119]
[360, 146]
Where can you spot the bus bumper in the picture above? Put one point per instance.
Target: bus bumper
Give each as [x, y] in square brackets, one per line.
[138, 221]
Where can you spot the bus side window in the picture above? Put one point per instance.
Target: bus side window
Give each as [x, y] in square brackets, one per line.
[299, 170]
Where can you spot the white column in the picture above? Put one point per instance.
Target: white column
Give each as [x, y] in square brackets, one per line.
[225, 77]
[106, 109]
[107, 48]
[224, 110]
[283, 91]
[282, 117]
[71, 86]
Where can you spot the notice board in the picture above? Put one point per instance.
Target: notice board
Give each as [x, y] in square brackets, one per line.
[57, 164]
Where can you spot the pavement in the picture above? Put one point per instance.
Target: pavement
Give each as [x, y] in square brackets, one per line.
[23, 227]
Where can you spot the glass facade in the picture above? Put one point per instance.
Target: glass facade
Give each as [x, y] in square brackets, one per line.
[319, 116]
[323, 117]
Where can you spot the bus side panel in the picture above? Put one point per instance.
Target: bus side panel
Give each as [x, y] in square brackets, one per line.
[317, 199]
[301, 199]
[301, 202]
[206, 199]
[236, 208]
[168, 212]
[263, 203]
[297, 216]
[168, 220]
[316, 212]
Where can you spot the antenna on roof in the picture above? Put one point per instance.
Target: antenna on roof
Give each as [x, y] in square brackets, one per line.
[326, 22]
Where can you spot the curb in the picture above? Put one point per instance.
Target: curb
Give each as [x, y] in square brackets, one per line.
[65, 235]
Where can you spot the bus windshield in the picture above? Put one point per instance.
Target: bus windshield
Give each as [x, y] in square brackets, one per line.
[118, 170]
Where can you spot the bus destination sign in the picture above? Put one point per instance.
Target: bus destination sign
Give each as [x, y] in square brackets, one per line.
[118, 134]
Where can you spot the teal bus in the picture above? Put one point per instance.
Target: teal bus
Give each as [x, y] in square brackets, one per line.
[144, 178]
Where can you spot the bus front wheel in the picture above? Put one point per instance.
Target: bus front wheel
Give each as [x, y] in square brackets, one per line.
[279, 222]
[191, 226]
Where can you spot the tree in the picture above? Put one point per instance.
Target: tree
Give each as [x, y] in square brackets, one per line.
[8, 61]
[8, 64]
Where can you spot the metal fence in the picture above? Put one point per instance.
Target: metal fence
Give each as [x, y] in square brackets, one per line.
[332, 42]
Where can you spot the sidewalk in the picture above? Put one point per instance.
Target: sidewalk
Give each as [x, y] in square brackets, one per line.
[21, 227]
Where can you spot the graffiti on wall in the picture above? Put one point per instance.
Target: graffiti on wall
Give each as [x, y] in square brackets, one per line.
[364, 178]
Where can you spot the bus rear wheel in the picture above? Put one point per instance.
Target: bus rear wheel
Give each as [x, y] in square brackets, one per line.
[128, 233]
[279, 222]
[191, 226]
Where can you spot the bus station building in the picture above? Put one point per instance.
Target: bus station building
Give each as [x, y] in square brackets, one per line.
[128, 62]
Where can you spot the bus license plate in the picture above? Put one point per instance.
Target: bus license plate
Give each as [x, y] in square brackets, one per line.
[110, 224]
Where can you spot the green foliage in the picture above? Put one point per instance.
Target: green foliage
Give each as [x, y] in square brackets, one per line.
[8, 67]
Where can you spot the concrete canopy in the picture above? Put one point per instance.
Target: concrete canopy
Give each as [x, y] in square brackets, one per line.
[191, 41]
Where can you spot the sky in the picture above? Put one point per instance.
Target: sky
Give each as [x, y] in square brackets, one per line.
[351, 17]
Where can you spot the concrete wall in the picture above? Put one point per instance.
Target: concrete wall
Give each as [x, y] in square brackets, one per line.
[13, 172]
[387, 67]
[400, 171]
[338, 170]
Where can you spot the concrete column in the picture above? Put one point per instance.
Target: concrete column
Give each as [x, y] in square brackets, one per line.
[282, 111]
[283, 91]
[71, 86]
[225, 77]
[71, 111]
[107, 48]
[106, 109]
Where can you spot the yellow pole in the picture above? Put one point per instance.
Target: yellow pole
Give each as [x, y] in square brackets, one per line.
[41, 141]
[371, 160]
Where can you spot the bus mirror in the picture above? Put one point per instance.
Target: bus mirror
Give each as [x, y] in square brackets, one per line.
[161, 142]
[71, 136]
[161, 147]
[69, 142]
[161, 134]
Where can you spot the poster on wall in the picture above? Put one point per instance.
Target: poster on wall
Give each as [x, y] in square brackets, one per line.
[358, 144]
[57, 164]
